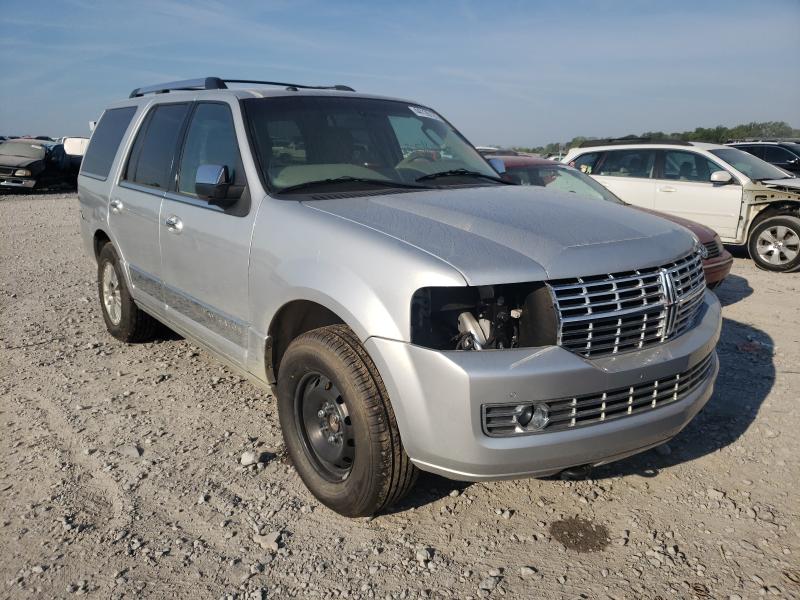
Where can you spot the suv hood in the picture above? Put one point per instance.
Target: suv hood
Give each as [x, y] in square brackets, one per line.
[511, 234]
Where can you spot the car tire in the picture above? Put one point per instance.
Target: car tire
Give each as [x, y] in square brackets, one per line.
[774, 244]
[338, 424]
[124, 319]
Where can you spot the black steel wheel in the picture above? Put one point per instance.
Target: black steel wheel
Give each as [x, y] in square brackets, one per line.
[324, 426]
[338, 424]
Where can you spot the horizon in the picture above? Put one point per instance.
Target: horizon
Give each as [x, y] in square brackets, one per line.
[507, 75]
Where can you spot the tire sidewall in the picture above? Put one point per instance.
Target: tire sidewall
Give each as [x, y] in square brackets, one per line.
[353, 495]
[121, 330]
[752, 245]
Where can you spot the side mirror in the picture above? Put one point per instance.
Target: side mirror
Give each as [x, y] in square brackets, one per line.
[721, 177]
[498, 165]
[211, 182]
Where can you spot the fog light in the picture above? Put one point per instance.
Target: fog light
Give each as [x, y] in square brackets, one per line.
[524, 417]
[533, 417]
[541, 417]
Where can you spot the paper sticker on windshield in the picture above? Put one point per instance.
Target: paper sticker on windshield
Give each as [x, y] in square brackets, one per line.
[424, 112]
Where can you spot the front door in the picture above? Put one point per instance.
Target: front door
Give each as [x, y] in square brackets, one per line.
[683, 189]
[205, 246]
[135, 203]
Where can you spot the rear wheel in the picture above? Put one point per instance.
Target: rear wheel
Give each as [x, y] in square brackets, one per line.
[338, 424]
[124, 320]
[774, 244]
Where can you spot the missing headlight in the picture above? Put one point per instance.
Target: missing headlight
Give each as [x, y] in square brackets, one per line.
[517, 315]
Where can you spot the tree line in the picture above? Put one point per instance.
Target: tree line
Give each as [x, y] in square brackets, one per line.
[714, 135]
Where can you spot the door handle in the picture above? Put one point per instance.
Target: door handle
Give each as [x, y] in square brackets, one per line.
[667, 188]
[116, 205]
[174, 224]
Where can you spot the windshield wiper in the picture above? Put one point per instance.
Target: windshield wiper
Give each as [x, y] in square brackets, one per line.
[346, 179]
[462, 173]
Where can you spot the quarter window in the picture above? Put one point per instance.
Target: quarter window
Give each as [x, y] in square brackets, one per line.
[688, 166]
[210, 140]
[105, 141]
[154, 150]
[628, 163]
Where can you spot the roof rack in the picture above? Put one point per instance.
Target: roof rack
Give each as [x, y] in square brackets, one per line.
[774, 140]
[217, 83]
[631, 140]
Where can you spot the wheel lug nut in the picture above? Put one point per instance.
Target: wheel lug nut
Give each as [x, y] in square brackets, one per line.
[321, 413]
[331, 439]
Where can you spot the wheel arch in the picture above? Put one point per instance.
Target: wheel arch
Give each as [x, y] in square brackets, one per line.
[293, 319]
[786, 207]
[99, 240]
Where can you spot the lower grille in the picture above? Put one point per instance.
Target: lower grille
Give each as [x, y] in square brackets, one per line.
[500, 420]
[714, 248]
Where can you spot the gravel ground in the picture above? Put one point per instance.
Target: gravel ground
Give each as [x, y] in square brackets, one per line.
[121, 474]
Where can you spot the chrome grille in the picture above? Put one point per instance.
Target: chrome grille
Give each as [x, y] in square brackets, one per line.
[500, 420]
[714, 249]
[607, 314]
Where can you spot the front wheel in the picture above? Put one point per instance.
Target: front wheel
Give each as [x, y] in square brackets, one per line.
[338, 424]
[774, 244]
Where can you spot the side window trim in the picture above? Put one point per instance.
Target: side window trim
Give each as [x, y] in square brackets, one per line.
[142, 131]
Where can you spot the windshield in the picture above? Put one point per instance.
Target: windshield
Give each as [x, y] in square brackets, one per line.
[755, 168]
[22, 149]
[306, 139]
[561, 178]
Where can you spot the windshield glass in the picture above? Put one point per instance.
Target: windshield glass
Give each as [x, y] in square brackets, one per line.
[561, 178]
[23, 149]
[755, 168]
[305, 139]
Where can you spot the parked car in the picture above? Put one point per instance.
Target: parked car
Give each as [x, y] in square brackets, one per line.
[744, 199]
[411, 312]
[33, 164]
[783, 154]
[523, 170]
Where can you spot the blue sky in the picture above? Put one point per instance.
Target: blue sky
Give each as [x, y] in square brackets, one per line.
[511, 73]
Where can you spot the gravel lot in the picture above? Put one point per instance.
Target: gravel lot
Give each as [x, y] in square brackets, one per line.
[120, 471]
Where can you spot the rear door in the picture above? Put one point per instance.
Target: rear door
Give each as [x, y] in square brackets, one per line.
[683, 189]
[205, 247]
[136, 202]
[628, 173]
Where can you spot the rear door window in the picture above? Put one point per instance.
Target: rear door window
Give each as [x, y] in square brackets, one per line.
[627, 163]
[585, 162]
[153, 154]
[105, 141]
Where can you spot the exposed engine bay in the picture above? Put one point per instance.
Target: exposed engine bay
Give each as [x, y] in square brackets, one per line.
[517, 315]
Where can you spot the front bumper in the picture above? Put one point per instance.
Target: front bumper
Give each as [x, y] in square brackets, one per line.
[717, 268]
[17, 182]
[437, 398]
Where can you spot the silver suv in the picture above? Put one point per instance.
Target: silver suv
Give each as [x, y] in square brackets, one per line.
[409, 308]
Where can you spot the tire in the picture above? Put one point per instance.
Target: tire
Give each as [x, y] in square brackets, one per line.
[329, 387]
[124, 320]
[774, 244]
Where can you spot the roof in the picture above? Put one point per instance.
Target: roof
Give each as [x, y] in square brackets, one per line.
[522, 161]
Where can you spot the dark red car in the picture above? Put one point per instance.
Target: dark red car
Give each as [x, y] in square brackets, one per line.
[527, 170]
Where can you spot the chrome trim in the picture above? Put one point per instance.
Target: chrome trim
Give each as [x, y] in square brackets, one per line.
[224, 325]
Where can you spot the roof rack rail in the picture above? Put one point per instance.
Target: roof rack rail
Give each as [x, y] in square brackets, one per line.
[774, 140]
[217, 83]
[631, 140]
